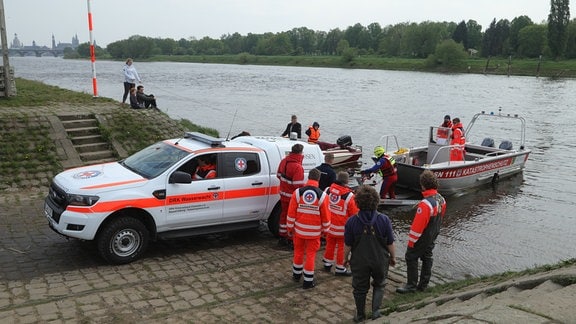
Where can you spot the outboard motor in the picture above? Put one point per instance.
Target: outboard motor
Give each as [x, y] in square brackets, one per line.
[505, 145]
[344, 141]
[488, 142]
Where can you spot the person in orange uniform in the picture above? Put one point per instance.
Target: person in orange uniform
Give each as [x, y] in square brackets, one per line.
[423, 233]
[313, 133]
[308, 218]
[342, 206]
[443, 131]
[291, 175]
[205, 169]
[459, 140]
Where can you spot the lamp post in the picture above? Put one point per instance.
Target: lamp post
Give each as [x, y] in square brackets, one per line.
[8, 91]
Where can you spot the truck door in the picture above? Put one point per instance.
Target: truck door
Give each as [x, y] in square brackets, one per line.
[198, 203]
[247, 187]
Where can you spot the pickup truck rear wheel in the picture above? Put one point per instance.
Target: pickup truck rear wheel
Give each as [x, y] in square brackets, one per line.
[123, 240]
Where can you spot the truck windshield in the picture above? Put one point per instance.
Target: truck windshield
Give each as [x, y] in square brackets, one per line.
[154, 160]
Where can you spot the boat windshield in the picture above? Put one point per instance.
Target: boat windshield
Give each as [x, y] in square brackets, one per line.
[154, 160]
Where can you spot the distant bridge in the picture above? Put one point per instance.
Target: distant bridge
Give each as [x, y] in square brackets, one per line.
[35, 50]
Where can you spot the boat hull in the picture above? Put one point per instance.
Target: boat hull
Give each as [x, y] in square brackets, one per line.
[454, 177]
[345, 157]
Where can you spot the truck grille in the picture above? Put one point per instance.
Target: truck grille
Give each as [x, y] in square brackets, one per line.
[56, 201]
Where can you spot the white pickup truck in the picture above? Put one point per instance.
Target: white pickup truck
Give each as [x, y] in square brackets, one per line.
[151, 195]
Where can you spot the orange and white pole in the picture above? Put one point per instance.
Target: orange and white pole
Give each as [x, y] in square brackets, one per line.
[92, 52]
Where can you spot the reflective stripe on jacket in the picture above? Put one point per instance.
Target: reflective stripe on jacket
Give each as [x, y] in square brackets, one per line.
[426, 224]
[291, 175]
[342, 206]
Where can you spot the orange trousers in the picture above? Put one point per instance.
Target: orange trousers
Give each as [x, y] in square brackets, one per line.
[305, 248]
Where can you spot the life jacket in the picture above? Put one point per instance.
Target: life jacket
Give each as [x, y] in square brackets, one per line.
[458, 136]
[205, 172]
[313, 134]
[388, 167]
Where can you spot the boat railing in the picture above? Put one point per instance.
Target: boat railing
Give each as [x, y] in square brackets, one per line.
[387, 141]
[435, 158]
[499, 115]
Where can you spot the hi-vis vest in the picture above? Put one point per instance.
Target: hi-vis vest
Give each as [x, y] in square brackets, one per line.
[308, 214]
[342, 206]
[388, 170]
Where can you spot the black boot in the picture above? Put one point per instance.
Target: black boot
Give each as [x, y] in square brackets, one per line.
[377, 296]
[360, 308]
[425, 274]
[308, 284]
[412, 273]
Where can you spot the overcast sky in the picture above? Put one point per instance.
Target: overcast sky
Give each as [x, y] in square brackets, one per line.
[37, 20]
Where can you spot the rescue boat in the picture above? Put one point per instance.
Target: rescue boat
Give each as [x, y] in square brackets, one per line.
[345, 154]
[483, 162]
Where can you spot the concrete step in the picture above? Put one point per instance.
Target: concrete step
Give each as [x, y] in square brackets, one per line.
[98, 155]
[83, 131]
[79, 123]
[89, 139]
[92, 147]
[64, 118]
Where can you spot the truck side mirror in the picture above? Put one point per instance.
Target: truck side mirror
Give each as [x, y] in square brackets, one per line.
[180, 177]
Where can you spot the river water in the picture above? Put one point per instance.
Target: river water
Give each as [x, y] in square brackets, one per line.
[522, 222]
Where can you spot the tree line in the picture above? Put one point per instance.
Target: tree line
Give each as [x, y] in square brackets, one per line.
[520, 37]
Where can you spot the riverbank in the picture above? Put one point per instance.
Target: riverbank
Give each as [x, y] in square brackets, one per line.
[25, 123]
[495, 66]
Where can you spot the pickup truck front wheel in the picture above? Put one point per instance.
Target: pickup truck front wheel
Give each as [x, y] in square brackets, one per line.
[274, 221]
[123, 240]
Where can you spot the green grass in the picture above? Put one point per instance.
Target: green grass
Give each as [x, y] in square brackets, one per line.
[34, 93]
[29, 155]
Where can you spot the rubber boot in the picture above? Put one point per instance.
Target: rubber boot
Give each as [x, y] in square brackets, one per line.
[377, 296]
[360, 308]
[412, 273]
[425, 274]
[308, 284]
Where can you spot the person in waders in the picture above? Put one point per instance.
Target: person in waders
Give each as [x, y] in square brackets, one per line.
[423, 233]
[369, 240]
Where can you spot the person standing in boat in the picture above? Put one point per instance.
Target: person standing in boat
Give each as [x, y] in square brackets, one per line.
[443, 131]
[130, 78]
[387, 170]
[423, 233]
[458, 140]
[313, 133]
[293, 127]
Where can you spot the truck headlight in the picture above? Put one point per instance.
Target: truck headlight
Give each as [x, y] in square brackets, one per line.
[82, 200]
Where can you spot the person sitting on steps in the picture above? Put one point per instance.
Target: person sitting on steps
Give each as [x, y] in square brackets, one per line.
[134, 100]
[145, 100]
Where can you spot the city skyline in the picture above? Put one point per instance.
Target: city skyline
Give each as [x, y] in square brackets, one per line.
[15, 42]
